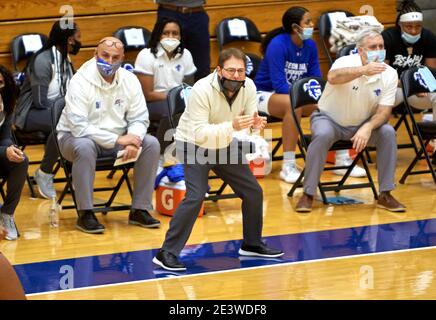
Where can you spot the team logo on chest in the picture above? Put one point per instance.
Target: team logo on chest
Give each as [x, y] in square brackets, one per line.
[313, 88]
[118, 103]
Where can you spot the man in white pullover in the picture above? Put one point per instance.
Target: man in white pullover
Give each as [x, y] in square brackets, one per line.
[223, 102]
[106, 112]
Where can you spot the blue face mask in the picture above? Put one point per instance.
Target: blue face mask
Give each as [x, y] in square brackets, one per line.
[307, 33]
[107, 69]
[379, 54]
[409, 38]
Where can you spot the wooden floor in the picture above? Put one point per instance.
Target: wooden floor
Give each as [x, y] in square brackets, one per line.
[404, 274]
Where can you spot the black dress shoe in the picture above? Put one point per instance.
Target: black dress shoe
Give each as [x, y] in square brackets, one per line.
[168, 261]
[87, 222]
[259, 251]
[143, 218]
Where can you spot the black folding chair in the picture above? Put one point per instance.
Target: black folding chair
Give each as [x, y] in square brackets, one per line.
[120, 33]
[253, 62]
[177, 103]
[347, 50]
[21, 138]
[308, 91]
[324, 27]
[19, 53]
[2, 191]
[102, 164]
[225, 35]
[424, 131]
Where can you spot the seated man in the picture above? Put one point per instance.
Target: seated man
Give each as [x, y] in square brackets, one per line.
[106, 112]
[356, 105]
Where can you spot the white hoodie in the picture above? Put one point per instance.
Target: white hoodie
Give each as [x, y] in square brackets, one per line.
[103, 111]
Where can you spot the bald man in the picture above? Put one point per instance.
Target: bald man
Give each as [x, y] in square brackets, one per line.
[106, 112]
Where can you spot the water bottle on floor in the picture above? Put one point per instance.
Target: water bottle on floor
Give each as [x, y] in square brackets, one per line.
[55, 209]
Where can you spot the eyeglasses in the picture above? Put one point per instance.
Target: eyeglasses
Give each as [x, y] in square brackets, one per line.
[111, 43]
[232, 71]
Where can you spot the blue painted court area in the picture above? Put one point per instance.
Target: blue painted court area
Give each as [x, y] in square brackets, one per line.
[219, 256]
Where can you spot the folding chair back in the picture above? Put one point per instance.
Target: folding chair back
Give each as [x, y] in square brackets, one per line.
[253, 63]
[308, 91]
[177, 100]
[134, 43]
[305, 92]
[347, 50]
[235, 29]
[413, 82]
[18, 50]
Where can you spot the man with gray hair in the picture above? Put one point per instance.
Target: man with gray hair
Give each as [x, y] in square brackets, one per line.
[356, 105]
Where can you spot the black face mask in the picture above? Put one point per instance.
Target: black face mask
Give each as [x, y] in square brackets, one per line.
[76, 47]
[232, 85]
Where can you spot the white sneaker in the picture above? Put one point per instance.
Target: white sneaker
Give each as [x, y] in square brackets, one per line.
[289, 172]
[45, 184]
[357, 171]
[8, 222]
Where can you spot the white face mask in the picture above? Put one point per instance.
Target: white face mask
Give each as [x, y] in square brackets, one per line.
[170, 44]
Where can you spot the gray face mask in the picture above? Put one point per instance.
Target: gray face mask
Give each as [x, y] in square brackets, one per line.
[232, 85]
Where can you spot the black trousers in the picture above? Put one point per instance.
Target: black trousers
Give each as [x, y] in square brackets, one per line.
[15, 175]
[158, 114]
[40, 120]
[197, 163]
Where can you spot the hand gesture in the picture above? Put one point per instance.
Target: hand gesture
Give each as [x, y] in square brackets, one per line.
[242, 122]
[259, 122]
[373, 68]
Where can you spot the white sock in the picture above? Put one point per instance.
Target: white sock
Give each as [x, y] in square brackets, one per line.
[342, 154]
[288, 158]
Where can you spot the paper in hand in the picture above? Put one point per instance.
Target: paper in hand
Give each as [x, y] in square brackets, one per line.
[120, 160]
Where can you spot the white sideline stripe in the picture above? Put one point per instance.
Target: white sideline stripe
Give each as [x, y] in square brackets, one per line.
[233, 270]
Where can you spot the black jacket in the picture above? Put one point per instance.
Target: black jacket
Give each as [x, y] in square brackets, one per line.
[5, 135]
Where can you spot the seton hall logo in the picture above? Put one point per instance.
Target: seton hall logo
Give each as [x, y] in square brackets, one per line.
[313, 88]
[418, 78]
